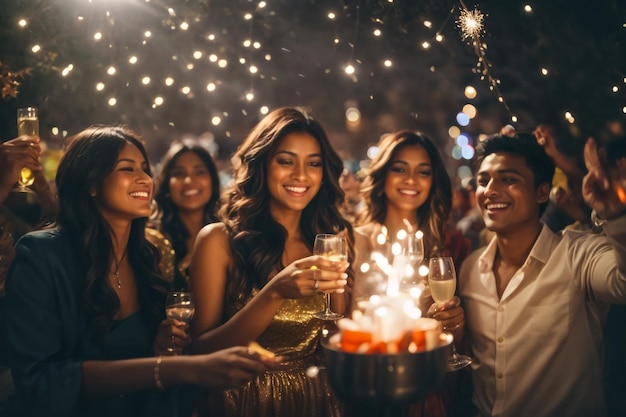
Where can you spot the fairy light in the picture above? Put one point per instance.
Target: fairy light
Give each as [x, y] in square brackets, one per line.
[67, 70]
[145, 80]
[22, 23]
[377, 32]
[112, 101]
[100, 86]
[169, 81]
[528, 8]
[387, 63]
[97, 36]
[544, 71]
[349, 69]
[132, 60]
[35, 48]
[210, 87]
[111, 70]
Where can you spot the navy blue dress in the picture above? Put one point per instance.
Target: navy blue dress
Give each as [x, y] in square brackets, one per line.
[48, 338]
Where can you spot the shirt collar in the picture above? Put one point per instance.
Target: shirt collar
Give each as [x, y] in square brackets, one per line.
[540, 251]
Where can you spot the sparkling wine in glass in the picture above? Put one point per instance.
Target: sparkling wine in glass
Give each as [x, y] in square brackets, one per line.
[179, 305]
[335, 248]
[442, 283]
[27, 125]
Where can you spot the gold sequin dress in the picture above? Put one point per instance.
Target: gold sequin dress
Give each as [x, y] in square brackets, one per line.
[294, 335]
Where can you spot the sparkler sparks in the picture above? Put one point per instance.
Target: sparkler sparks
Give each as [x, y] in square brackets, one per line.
[471, 23]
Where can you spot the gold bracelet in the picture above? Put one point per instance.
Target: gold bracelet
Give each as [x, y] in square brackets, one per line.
[157, 375]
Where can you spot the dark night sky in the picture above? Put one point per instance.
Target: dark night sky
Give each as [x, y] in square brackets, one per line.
[581, 44]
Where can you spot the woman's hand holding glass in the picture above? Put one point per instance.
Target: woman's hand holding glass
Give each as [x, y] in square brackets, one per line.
[173, 336]
[16, 154]
[309, 276]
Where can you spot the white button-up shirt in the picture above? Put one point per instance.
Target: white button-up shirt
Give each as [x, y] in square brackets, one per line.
[537, 350]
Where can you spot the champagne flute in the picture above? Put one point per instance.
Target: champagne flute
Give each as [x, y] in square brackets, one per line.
[335, 248]
[442, 283]
[27, 125]
[179, 305]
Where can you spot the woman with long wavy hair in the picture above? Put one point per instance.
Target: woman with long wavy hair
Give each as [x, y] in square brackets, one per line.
[85, 301]
[187, 196]
[254, 275]
[407, 187]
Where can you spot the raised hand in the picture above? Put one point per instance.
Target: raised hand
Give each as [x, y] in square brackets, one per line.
[16, 154]
[596, 189]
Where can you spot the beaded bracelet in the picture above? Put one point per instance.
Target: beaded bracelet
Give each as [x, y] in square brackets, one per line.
[157, 375]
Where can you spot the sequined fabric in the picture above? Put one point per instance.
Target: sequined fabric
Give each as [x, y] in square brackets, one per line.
[294, 335]
[164, 246]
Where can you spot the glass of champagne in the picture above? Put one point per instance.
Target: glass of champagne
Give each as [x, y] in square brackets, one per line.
[442, 283]
[179, 305]
[27, 125]
[335, 248]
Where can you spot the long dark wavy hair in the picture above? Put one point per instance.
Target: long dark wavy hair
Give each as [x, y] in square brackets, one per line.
[89, 159]
[167, 214]
[433, 214]
[258, 240]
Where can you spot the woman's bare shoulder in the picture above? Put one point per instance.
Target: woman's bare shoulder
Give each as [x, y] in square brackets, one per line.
[213, 238]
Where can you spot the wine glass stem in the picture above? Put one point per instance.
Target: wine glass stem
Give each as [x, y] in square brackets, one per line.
[454, 354]
[327, 296]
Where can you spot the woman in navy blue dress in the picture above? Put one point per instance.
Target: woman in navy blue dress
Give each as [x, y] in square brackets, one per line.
[86, 326]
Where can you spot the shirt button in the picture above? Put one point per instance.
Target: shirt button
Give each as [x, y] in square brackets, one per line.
[500, 339]
[499, 375]
[500, 308]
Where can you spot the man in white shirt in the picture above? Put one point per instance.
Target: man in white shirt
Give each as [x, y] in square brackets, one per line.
[535, 301]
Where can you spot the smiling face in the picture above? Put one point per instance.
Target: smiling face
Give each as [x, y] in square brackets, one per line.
[190, 183]
[506, 194]
[294, 172]
[408, 181]
[126, 192]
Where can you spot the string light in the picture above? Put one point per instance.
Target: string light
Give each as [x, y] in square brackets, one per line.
[219, 46]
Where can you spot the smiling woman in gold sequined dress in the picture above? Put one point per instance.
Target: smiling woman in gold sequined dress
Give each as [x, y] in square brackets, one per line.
[252, 274]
